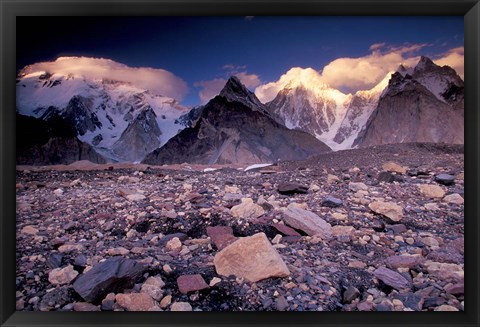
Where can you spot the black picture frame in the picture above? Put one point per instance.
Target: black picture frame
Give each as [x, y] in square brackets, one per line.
[10, 9]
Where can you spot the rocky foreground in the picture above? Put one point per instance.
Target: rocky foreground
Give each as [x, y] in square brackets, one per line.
[378, 229]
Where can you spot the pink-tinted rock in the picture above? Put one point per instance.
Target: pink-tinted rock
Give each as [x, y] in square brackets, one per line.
[392, 278]
[456, 289]
[403, 261]
[221, 236]
[252, 258]
[285, 230]
[136, 302]
[190, 283]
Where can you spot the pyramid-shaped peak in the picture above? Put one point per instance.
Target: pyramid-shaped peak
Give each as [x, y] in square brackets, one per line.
[234, 90]
[234, 87]
[424, 63]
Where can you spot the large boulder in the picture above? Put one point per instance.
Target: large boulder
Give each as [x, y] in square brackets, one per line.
[112, 275]
[252, 258]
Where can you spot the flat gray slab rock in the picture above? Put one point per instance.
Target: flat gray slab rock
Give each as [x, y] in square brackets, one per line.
[307, 221]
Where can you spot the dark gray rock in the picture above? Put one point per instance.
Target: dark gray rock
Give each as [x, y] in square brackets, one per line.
[386, 177]
[331, 202]
[350, 294]
[54, 260]
[291, 188]
[164, 240]
[113, 275]
[411, 300]
[445, 179]
[80, 260]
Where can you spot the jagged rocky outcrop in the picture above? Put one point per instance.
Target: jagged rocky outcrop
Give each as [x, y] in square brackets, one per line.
[142, 136]
[233, 131]
[408, 111]
[52, 141]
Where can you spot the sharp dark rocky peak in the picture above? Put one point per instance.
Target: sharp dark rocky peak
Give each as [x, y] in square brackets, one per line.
[234, 90]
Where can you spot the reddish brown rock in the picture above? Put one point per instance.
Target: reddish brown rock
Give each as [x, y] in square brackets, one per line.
[285, 230]
[403, 261]
[136, 302]
[190, 283]
[221, 236]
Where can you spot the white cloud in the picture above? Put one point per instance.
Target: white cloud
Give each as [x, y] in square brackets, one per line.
[158, 81]
[453, 58]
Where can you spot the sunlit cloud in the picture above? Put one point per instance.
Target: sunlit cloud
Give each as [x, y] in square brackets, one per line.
[361, 73]
[353, 74]
[158, 81]
[453, 58]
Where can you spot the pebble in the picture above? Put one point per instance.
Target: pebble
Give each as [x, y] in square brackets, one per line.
[394, 167]
[391, 210]
[153, 287]
[190, 283]
[85, 306]
[166, 301]
[431, 191]
[331, 202]
[454, 198]
[181, 306]
[247, 210]
[445, 179]
[29, 230]
[136, 302]
[61, 276]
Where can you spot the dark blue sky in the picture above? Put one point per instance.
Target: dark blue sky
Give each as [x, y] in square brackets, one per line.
[196, 48]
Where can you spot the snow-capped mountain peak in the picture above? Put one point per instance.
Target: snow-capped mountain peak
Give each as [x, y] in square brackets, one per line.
[99, 104]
